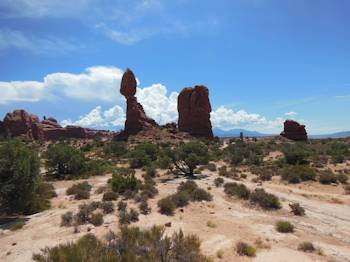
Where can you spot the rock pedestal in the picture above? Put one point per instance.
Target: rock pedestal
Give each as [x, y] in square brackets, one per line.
[294, 131]
[194, 110]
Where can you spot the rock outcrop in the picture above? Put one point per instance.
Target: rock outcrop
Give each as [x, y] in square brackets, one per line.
[194, 110]
[136, 118]
[20, 123]
[294, 131]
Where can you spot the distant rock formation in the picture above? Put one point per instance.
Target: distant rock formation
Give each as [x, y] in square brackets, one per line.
[294, 131]
[194, 110]
[136, 119]
[20, 123]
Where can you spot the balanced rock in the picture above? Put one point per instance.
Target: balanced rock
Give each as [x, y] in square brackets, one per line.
[19, 123]
[136, 118]
[294, 131]
[194, 110]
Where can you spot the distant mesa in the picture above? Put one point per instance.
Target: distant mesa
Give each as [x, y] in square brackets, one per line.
[20, 123]
[136, 118]
[294, 131]
[194, 110]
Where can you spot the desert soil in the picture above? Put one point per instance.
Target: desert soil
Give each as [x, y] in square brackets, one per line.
[326, 224]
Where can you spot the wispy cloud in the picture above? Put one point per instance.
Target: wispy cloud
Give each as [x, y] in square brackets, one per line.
[13, 39]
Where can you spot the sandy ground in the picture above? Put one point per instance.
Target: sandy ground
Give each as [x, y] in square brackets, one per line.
[326, 224]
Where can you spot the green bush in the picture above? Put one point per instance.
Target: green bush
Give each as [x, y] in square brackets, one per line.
[166, 206]
[96, 167]
[239, 190]
[327, 178]
[296, 209]
[144, 208]
[115, 148]
[186, 157]
[80, 190]
[130, 244]
[200, 194]
[151, 171]
[264, 199]
[284, 227]
[122, 182]
[306, 247]
[109, 196]
[21, 189]
[96, 219]
[218, 181]
[180, 199]
[296, 174]
[295, 153]
[67, 219]
[143, 154]
[244, 249]
[64, 161]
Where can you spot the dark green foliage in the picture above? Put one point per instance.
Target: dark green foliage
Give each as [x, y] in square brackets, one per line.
[342, 178]
[109, 196]
[166, 206]
[181, 199]
[284, 227]
[115, 148]
[130, 244]
[338, 151]
[164, 162]
[241, 152]
[186, 157]
[107, 207]
[80, 190]
[218, 181]
[244, 249]
[296, 209]
[96, 167]
[327, 178]
[199, 194]
[264, 199]
[124, 180]
[306, 247]
[64, 161]
[144, 208]
[21, 190]
[143, 154]
[67, 219]
[151, 171]
[298, 173]
[96, 219]
[296, 153]
[239, 190]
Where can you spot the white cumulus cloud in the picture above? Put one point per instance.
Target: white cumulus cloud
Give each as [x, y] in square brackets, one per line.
[291, 114]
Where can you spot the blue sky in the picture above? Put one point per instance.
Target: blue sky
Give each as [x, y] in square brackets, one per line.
[262, 60]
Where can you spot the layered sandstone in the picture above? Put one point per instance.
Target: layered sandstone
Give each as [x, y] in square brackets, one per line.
[294, 131]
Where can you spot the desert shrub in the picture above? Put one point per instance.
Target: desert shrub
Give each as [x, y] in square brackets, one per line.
[115, 148]
[327, 178]
[210, 167]
[96, 219]
[295, 153]
[241, 152]
[284, 226]
[143, 154]
[109, 196]
[265, 200]
[67, 219]
[342, 178]
[107, 207]
[244, 249]
[148, 189]
[124, 180]
[126, 217]
[199, 194]
[21, 189]
[239, 190]
[80, 190]
[122, 205]
[186, 157]
[64, 161]
[96, 167]
[84, 213]
[164, 162]
[151, 171]
[144, 208]
[180, 199]
[101, 189]
[188, 187]
[298, 173]
[306, 246]
[218, 181]
[297, 209]
[166, 206]
[130, 244]
[223, 171]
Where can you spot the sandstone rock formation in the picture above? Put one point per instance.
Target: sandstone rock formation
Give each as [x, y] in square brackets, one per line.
[136, 119]
[294, 131]
[23, 124]
[194, 110]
